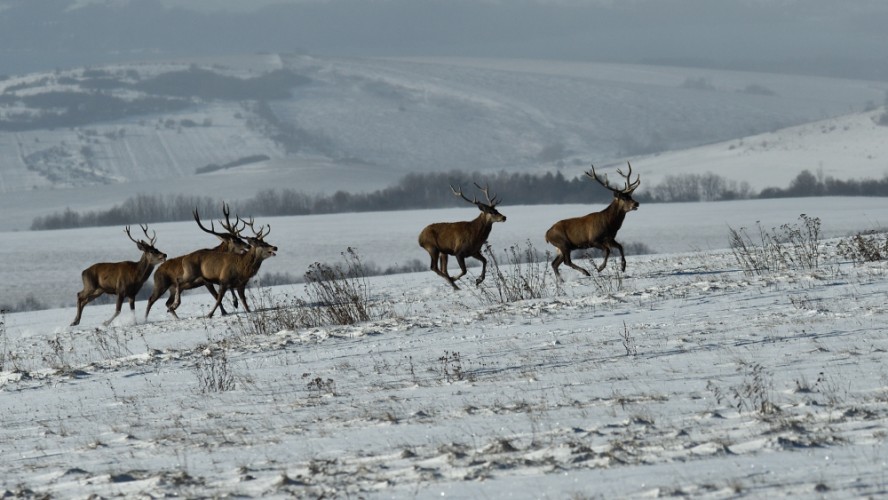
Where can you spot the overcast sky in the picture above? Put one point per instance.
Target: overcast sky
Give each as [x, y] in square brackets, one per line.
[840, 38]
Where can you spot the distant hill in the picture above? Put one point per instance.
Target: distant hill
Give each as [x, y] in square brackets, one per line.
[91, 137]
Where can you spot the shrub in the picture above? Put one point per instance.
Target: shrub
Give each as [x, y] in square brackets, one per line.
[213, 371]
[523, 276]
[791, 246]
[864, 248]
[337, 295]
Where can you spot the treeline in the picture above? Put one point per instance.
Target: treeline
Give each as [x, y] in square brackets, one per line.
[430, 190]
[807, 184]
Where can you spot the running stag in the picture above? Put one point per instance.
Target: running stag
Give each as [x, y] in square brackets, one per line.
[228, 270]
[596, 230]
[123, 279]
[461, 239]
[166, 275]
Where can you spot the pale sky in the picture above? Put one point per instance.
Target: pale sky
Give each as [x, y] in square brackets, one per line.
[837, 38]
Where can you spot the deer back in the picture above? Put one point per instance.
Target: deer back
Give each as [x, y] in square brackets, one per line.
[463, 237]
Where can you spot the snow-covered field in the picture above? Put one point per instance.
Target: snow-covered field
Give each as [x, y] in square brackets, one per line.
[47, 264]
[683, 376]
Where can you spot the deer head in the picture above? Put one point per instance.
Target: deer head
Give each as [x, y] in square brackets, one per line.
[622, 196]
[489, 208]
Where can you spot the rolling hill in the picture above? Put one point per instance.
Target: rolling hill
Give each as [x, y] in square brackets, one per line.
[92, 137]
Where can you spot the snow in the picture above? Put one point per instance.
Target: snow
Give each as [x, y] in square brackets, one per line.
[647, 383]
[685, 375]
[362, 124]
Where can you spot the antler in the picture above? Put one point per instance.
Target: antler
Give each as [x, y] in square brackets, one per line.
[491, 202]
[151, 239]
[262, 232]
[630, 186]
[461, 195]
[232, 229]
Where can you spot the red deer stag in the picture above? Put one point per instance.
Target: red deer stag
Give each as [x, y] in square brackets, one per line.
[228, 270]
[123, 279]
[461, 239]
[166, 274]
[596, 230]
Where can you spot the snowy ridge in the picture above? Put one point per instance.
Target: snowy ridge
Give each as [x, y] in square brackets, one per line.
[683, 376]
[361, 124]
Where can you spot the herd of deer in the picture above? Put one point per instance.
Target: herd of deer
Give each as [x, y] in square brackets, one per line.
[232, 263]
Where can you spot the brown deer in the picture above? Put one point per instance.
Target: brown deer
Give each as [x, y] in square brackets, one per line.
[596, 230]
[229, 271]
[461, 239]
[166, 274]
[123, 279]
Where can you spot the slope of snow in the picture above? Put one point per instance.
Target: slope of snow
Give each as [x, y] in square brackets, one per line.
[361, 124]
[846, 147]
[684, 376]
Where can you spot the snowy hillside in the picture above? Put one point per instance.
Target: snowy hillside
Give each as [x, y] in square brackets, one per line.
[853, 146]
[685, 376]
[361, 124]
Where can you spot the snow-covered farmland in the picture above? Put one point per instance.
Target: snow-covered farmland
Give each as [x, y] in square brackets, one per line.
[47, 264]
[683, 376]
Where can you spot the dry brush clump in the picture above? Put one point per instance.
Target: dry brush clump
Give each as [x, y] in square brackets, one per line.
[334, 295]
[863, 247]
[213, 371]
[790, 246]
[522, 275]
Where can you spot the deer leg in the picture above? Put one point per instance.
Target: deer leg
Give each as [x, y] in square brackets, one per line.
[607, 252]
[557, 262]
[445, 273]
[116, 310]
[240, 291]
[483, 267]
[170, 300]
[462, 267]
[443, 266]
[622, 255]
[132, 303]
[155, 294]
[222, 290]
[176, 295]
[84, 298]
[212, 290]
[569, 263]
[234, 299]
[81, 303]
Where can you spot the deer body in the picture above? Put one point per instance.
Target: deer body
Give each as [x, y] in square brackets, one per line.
[167, 274]
[123, 279]
[595, 230]
[460, 239]
[230, 271]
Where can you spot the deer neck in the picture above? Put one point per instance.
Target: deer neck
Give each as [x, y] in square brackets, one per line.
[482, 225]
[144, 268]
[615, 215]
[250, 262]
